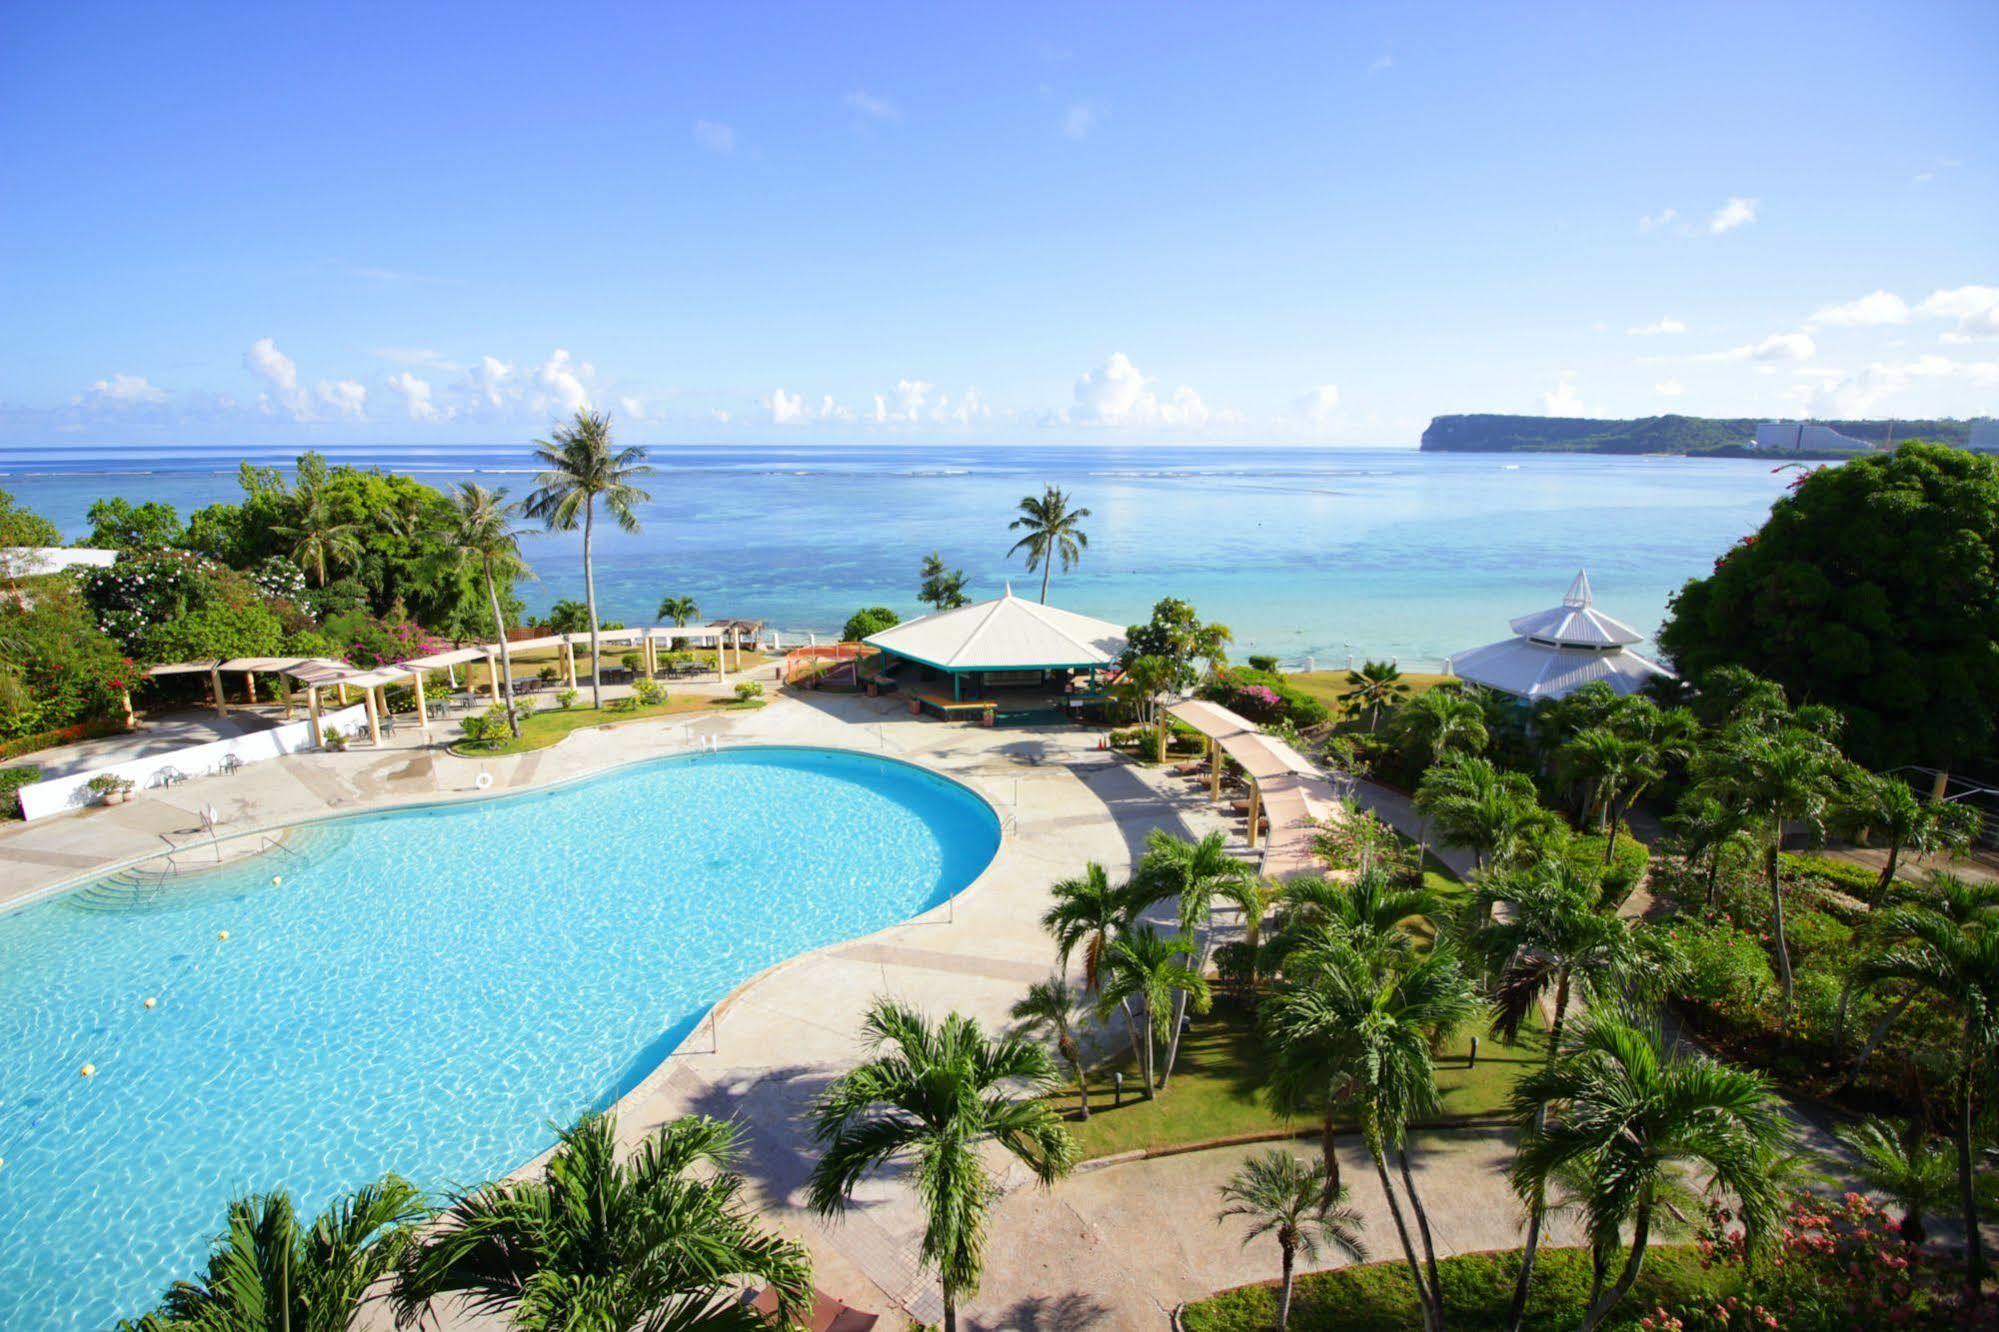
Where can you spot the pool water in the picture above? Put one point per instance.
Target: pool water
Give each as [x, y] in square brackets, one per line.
[427, 991]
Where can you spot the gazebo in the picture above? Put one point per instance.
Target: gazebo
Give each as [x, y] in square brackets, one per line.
[1008, 642]
[1557, 651]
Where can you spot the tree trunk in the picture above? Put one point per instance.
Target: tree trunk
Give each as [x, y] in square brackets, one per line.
[1888, 870]
[1431, 1322]
[1777, 914]
[1967, 1191]
[1284, 1289]
[1537, 1205]
[1329, 1153]
[1147, 1070]
[1610, 846]
[590, 595]
[1713, 873]
[1422, 1229]
[1047, 567]
[506, 656]
[1082, 1089]
[950, 1310]
[1180, 1001]
[1875, 1037]
[1641, 1233]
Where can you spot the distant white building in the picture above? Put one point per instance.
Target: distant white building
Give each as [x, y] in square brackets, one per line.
[1799, 436]
[1557, 651]
[30, 561]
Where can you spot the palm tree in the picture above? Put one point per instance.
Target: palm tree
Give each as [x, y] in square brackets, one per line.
[1369, 1029]
[1899, 1162]
[1607, 764]
[661, 1240]
[1909, 915]
[1629, 1122]
[478, 537]
[1280, 1195]
[1144, 969]
[1551, 937]
[1442, 720]
[1253, 897]
[266, 1271]
[1376, 685]
[1707, 829]
[1372, 914]
[1474, 805]
[1053, 531]
[1885, 807]
[1087, 913]
[1049, 1008]
[582, 470]
[943, 588]
[1192, 873]
[318, 538]
[678, 609]
[938, 1093]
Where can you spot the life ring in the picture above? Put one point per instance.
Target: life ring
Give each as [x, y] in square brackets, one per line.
[483, 780]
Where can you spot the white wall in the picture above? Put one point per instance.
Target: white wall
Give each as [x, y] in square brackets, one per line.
[67, 792]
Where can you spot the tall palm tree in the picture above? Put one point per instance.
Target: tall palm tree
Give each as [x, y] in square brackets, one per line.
[1472, 804]
[661, 1240]
[1439, 722]
[938, 1093]
[1373, 914]
[318, 538]
[1899, 1162]
[1253, 897]
[1053, 530]
[1146, 971]
[1371, 1029]
[1282, 1196]
[479, 536]
[1884, 807]
[1707, 830]
[1629, 1122]
[1607, 764]
[1192, 874]
[1050, 1008]
[1552, 937]
[678, 609]
[1376, 685]
[266, 1271]
[582, 470]
[1087, 914]
[1909, 915]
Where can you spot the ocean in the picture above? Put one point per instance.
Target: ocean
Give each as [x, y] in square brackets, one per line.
[1314, 555]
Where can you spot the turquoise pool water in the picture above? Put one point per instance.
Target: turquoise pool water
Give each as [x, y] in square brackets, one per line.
[427, 991]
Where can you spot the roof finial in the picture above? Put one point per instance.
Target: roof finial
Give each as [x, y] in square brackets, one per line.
[1579, 594]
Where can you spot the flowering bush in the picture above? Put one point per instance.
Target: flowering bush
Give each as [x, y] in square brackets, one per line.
[378, 643]
[145, 588]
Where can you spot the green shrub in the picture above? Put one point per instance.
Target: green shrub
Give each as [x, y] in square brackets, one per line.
[868, 620]
[1627, 867]
[1816, 936]
[566, 699]
[547, 674]
[1727, 969]
[649, 693]
[11, 782]
[747, 690]
[1261, 663]
[1849, 878]
[633, 662]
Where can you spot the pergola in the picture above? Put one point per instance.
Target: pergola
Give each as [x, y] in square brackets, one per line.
[1283, 784]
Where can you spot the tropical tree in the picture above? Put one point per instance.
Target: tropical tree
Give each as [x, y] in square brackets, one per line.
[1707, 830]
[1282, 1196]
[1192, 874]
[1435, 723]
[1883, 807]
[1254, 897]
[678, 609]
[1472, 804]
[1376, 685]
[1052, 530]
[267, 1271]
[1905, 918]
[1372, 913]
[480, 537]
[1900, 1162]
[1144, 974]
[318, 537]
[943, 588]
[1628, 1123]
[1606, 764]
[1087, 913]
[1050, 1009]
[662, 1240]
[1368, 1031]
[937, 1094]
[583, 470]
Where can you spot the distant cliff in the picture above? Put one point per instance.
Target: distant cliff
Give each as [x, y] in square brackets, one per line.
[1657, 434]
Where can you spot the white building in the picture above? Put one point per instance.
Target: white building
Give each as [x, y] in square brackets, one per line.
[1557, 651]
[1803, 436]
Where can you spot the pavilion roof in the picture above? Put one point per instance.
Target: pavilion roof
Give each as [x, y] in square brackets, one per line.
[1534, 670]
[1576, 622]
[1006, 633]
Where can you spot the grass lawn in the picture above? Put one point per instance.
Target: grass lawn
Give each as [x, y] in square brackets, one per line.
[1215, 1091]
[544, 728]
[1331, 687]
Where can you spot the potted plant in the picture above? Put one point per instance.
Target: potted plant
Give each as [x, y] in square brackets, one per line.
[109, 788]
[334, 739]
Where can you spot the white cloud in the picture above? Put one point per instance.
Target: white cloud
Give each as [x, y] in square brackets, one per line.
[1859, 392]
[1670, 388]
[417, 398]
[720, 416]
[493, 380]
[126, 390]
[1776, 347]
[347, 397]
[633, 409]
[562, 381]
[871, 106]
[1079, 120]
[1870, 311]
[905, 406]
[1319, 406]
[1666, 325]
[1975, 308]
[1118, 394]
[1735, 213]
[271, 365]
[969, 408]
[411, 356]
[712, 136]
[1381, 64]
[790, 409]
[1563, 399]
[1652, 222]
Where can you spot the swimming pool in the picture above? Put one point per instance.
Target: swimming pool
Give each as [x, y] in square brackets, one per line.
[426, 991]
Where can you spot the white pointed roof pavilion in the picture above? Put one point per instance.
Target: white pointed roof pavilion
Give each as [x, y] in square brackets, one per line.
[1559, 650]
[1008, 633]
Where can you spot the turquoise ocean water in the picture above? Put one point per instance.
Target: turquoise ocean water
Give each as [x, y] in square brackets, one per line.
[1303, 552]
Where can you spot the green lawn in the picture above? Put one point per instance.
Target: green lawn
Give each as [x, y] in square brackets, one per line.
[1331, 687]
[1216, 1090]
[546, 727]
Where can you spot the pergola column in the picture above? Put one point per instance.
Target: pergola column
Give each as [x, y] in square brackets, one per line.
[125, 701]
[569, 661]
[422, 712]
[1255, 809]
[492, 678]
[249, 686]
[374, 716]
[652, 657]
[720, 643]
[215, 684]
[1214, 769]
[312, 711]
[285, 696]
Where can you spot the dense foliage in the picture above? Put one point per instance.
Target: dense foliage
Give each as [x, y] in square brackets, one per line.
[868, 620]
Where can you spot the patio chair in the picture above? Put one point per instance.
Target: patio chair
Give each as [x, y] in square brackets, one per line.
[231, 764]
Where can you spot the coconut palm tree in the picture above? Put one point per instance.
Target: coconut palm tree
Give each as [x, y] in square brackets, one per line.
[1899, 1162]
[1552, 937]
[1629, 1124]
[1372, 913]
[1145, 972]
[1435, 723]
[661, 1240]
[1087, 914]
[1376, 685]
[1053, 530]
[1253, 897]
[318, 537]
[267, 1271]
[1280, 1195]
[1707, 830]
[582, 471]
[1884, 808]
[1472, 804]
[1050, 1008]
[1193, 874]
[678, 609]
[938, 1094]
[478, 536]
[1369, 1029]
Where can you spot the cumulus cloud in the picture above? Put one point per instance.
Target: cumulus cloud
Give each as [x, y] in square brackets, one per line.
[1655, 221]
[1118, 394]
[1079, 120]
[1662, 326]
[790, 409]
[126, 390]
[712, 136]
[271, 365]
[345, 398]
[348, 398]
[1563, 399]
[1777, 347]
[905, 405]
[563, 383]
[871, 106]
[417, 397]
[1870, 311]
[1975, 308]
[1735, 213]
[493, 381]
[1858, 392]
[1319, 406]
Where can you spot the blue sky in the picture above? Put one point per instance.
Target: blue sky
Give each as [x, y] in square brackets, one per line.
[1313, 223]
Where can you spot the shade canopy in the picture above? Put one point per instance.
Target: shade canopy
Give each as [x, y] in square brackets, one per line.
[1007, 633]
[1557, 651]
[1297, 799]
